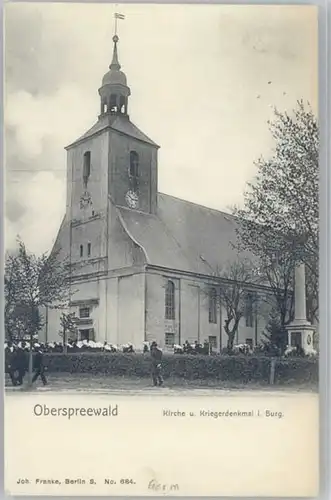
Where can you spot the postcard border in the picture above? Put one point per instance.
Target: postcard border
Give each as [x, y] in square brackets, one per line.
[324, 74]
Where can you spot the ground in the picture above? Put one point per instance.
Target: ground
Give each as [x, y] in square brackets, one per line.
[86, 383]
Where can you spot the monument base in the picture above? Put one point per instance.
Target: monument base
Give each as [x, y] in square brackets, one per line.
[301, 333]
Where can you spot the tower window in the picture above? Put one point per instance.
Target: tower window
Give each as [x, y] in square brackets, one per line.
[134, 169]
[81, 250]
[89, 249]
[170, 300]
[113, 103]
[86, 167]
[122, 104]
[212, 306]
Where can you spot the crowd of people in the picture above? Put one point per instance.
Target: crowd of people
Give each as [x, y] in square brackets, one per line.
[17, 362]
[17, 355]
[196, 348]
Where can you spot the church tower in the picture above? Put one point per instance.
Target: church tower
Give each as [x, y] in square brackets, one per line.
[113, 160]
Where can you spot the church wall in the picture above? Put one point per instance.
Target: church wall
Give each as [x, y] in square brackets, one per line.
[97, 184]
[90, 232]
[120, 317]
[87, 294]
[154, 308]
[156, 323]
[131, 310]
[210, 329]
[120, 247]
[111, 310]
[119, 181]
[245, 332]
[101, 312]
[154, 180]
[191, 313]
[52, 326]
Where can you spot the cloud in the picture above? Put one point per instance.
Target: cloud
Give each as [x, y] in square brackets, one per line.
[38, 226]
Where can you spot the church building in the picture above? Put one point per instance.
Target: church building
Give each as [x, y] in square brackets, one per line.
[142, 261]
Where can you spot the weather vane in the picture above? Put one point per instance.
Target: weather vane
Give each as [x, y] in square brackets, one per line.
[117, 16]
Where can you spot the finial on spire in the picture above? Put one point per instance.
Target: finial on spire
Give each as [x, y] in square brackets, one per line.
[115, 63]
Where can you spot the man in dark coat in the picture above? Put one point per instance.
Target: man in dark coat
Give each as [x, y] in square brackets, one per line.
[39, 367]
[9, 358]
[156, 355]
[20, 364]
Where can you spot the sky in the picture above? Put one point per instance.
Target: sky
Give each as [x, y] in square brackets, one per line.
[204, 81]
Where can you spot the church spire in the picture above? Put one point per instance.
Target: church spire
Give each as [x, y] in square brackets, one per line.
[114, 91]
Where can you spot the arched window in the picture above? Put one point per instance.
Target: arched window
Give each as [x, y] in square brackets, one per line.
[81, 250]
[134, 169]
[170, 300]
[113, 104]
[212, 306]
[122, 105]
[86, 167]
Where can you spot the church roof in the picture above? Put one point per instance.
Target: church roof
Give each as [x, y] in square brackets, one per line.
[183, 235]
[118, 123]
[125, 126]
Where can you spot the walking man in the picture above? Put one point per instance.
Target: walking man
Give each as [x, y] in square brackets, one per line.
[39, 367]
[156, 355]
[21, 363]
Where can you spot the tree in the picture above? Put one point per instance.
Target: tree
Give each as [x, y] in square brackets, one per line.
[12, 324]
[278, 272]
[21, 321]
[68, 323]
[276, 334]
[236, 293]
[281, 207]
[33, 282]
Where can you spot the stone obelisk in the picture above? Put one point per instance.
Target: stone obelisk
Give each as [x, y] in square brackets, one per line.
[300, 331]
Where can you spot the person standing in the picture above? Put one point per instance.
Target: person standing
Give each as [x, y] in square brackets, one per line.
[156, 355]
[21, 363]
[9, 365]
[39, 367]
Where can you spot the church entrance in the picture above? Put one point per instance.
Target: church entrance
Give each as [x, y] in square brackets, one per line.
[86, 334]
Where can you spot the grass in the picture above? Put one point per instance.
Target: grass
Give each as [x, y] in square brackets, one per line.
[86, 382]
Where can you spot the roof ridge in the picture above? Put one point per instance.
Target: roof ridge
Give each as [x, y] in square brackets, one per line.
[226, 214]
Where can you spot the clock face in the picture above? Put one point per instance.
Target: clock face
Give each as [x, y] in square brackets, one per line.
[85, 200]
[131, 199]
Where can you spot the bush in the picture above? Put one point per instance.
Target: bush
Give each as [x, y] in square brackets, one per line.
[240, 368]
[297, 370]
